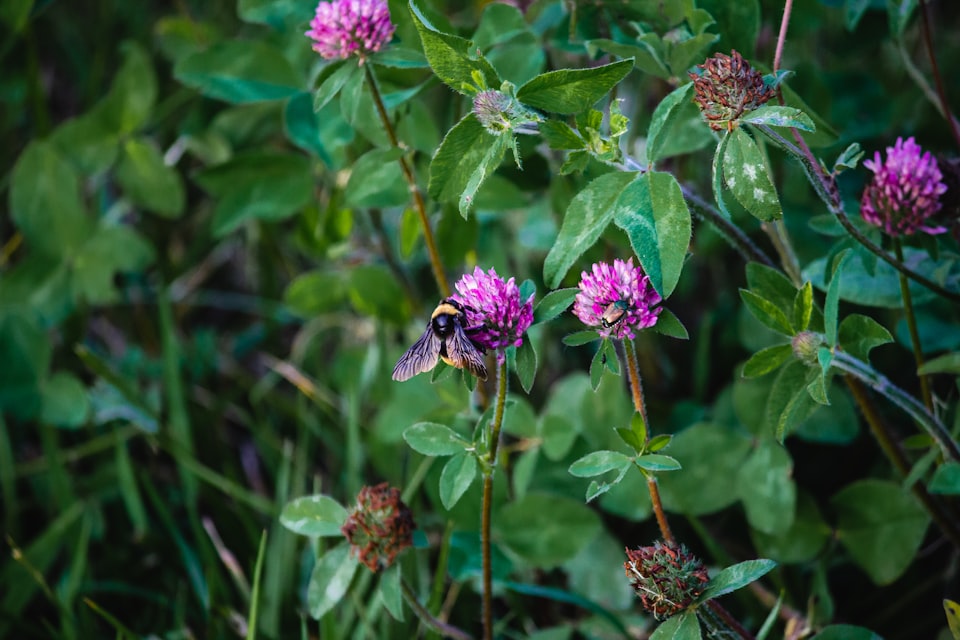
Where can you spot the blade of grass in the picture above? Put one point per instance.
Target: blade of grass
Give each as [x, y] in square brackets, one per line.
[70, 584]
[91, 447]
[255, 595]
[57, 478]
[8, 483]
[129, 492]
[178, 422]
[282, 546]
[28, 565]
[205, 474]
[122, 631]
[188, 555]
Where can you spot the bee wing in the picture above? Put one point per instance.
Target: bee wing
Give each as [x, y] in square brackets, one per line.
[465, 355]
[420, 357]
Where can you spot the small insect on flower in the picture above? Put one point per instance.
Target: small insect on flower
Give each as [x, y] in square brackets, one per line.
[448, 338]
[614, 313]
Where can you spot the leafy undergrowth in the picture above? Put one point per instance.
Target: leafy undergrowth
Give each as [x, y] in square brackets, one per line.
[217, 243]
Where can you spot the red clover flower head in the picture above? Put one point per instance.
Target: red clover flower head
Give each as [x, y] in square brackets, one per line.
[905, 190]
[495, 309]
[380, 526]
[616, 298]
[666, 578]
[342, 28]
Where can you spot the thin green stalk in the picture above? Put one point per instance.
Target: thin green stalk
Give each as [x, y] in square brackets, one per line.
[444, 629]
[488, 470]
[879, 383]
[884, 438]
[636, 391]
[938, 81]
[726, 228]
[777, 231]
[912, 326]
[720, 623]
[418, 203]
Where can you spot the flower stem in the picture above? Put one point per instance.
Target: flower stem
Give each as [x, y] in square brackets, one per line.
[437, 625]
[418, 203]
[878, 382]
[788, 258]
[782, 35]
[488, 470]
[636, 390]
[912, 326]
[719, 620]
[938, 81]
[636, 387]
[726, 228]
[896, 457]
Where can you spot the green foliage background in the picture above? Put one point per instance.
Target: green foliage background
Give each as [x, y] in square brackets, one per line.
[204, 284]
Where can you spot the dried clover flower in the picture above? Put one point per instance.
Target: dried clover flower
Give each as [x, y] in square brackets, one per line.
[380, 526]
[667, 578]
[726, 87]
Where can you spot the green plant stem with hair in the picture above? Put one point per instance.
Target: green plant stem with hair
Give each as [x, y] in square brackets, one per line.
[636, 391]
[888, 445]
[935, 68]
[879, 383]
[448, 631]
[418, 203]
[488, 471]
[912, 326]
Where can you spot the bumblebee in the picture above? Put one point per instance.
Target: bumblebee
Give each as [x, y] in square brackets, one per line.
[614, 313]
[447, 337]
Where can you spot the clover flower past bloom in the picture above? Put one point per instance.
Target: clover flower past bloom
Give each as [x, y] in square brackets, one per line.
[726, 87]
[905, 190]
[617, 298]
[380, 526]
[493, 306]
[343, 28]
[667, 578]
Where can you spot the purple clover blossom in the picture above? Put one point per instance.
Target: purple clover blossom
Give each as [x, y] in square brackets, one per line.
[495, 306]
[343, 28]
[905, 190]
[627, 289]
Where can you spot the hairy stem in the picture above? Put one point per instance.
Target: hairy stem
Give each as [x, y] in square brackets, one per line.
[726, 228]
[439, 626]
[929, 92]
[938, 81]
[488, 470]
[879, 383]
[418, 203]
[782, 35]
[788, 258]
[912, 326]
[636, 391]
[881, 432]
